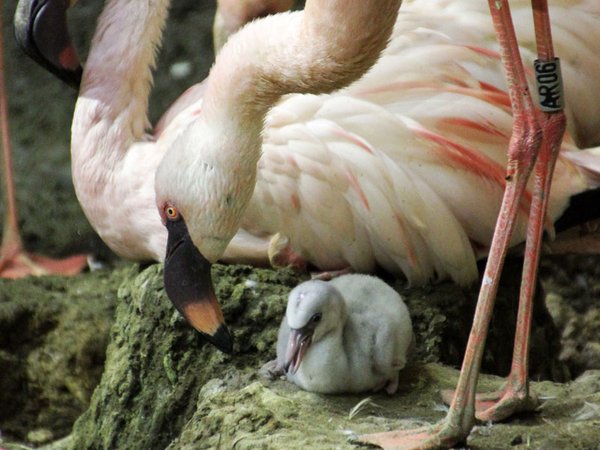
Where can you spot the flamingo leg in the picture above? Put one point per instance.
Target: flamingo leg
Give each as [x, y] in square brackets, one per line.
[282, 254]
[14, 261]
[515, 395]
[533, 133]
[263, 251]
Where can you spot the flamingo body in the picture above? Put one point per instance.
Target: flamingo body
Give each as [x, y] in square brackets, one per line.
[404, 169]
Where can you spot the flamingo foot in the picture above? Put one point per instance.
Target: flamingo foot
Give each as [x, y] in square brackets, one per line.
[281, 254]
[440, 435]
[501, 404]
[329, 275]
[21, 264]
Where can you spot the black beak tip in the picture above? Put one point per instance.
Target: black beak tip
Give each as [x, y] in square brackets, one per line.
[221, 339]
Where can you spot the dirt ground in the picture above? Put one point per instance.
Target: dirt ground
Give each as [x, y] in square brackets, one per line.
[107, 347]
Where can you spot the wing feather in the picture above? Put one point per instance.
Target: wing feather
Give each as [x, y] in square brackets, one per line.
[404, 169]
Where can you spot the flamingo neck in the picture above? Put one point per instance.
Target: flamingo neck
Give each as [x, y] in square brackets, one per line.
[111, 111]
[113, 161]
[323, 48]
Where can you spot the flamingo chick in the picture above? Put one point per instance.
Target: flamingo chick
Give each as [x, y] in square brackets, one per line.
[351, 334]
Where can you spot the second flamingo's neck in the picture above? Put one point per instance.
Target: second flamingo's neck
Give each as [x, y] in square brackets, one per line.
[113, 160]
[325, 47]
[111, 112]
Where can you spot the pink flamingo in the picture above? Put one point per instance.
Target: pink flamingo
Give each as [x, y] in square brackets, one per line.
[326, 159]
[462, 71]
[119, 174]
[205, 185]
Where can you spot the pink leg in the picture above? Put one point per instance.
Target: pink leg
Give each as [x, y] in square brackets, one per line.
[515, 395]
[14, 261]
[523, 149]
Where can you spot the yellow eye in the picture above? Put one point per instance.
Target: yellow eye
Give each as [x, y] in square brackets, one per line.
[171, 213]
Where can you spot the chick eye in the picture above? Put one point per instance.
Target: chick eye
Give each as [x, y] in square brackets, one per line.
[316, 318]
[171, 213]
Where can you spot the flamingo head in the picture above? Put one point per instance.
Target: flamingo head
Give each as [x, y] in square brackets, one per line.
[201, 194]
[315, 308]
[41, 31]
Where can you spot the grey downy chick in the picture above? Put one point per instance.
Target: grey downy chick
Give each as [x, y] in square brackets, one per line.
[351, 334]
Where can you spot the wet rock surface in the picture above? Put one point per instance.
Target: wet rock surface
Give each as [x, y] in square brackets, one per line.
[53, 338]
[164, 387]
[156, 364]
[572, 284]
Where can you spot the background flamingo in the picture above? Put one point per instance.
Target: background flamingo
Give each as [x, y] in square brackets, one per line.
[15, 262]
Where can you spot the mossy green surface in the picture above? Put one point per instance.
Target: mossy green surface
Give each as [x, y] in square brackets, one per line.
[53, 336]
[156, 364]
[277, 415]
[164, 387]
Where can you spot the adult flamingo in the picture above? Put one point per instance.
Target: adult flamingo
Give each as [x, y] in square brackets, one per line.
[470, 143]
[206, 183]
[137, 234]
[460, 70]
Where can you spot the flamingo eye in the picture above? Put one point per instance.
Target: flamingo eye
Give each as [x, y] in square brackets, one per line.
[171, 213]
[316, 318]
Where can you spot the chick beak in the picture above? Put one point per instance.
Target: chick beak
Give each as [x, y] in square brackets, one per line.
[41, 31]
[298, 343]
[189, 286]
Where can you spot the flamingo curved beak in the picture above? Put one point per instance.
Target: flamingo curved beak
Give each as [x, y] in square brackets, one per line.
[41, 31]
[189, 286]
[298, 343]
